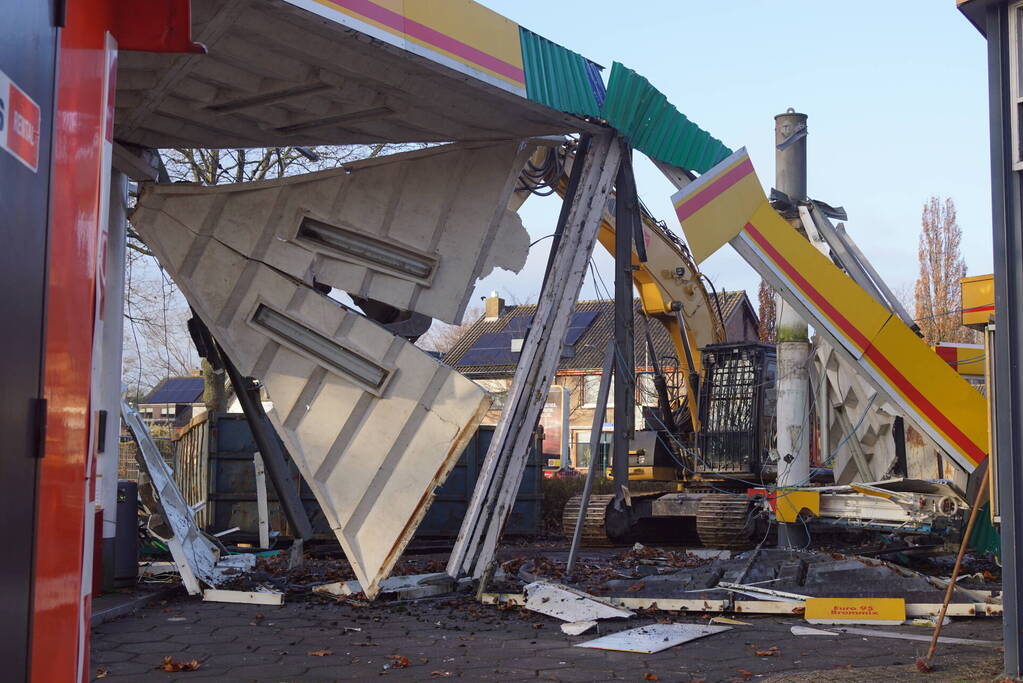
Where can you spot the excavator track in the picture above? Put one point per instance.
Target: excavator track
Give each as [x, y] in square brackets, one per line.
[595, 522]
[724, 520]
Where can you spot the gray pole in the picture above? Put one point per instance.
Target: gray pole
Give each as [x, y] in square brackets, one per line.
[793, 400]
[599, 414]
[1007, 400]
[626, 226]
[109, 394]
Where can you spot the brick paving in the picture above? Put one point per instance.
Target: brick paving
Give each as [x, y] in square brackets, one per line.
[457, 638]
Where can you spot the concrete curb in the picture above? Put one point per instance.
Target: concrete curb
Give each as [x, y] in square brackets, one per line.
[131, 604]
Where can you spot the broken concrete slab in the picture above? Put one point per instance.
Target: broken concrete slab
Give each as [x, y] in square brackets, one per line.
[373, 423]
[569, 604]
[653, 638]
[413, 230]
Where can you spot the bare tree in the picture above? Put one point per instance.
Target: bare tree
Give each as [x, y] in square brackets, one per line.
[767, 311]
[443, 337]
[942, 265]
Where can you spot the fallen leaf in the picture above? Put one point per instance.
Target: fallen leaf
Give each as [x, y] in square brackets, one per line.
[440, 674]
[651, 677]
[745, 674]
[399, 662]
[770, 652]
[538, 625]
[636, 587]
[102, 673]
[173, 667]
[320, 653]
[259, 616]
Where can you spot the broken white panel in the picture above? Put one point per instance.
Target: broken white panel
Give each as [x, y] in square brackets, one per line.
[809, 631]
[194, 555]
[413, 230]
[569, 604]
[653, 638]
[402, 587]
[870, 454]
[577, 628]
[373, 423]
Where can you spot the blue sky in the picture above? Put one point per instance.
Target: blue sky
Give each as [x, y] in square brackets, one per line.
[895, 93]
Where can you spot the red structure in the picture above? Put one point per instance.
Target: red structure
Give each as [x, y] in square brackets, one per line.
[57, 74]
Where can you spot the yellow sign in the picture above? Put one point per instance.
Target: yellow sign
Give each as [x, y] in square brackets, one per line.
[855, 610]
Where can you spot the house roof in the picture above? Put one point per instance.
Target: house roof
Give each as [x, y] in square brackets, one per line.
[176, 390]
[584, 350]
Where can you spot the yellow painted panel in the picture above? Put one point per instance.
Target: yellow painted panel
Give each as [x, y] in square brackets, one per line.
[789, 503]
[938, 393]
[472, 25]
[854, 315]
[855, 610]
[709, 223]
[978, 300]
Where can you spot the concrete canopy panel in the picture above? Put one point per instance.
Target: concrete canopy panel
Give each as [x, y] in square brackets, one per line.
[278, 75]
[413, 230]
[373, 423]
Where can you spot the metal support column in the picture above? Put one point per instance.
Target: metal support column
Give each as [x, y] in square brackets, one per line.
[626, 226]
[1007, 222]
[599, 414]
[505, 462]
[108, 440]
[794, 431]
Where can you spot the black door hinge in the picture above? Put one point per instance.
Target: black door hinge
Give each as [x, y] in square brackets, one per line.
[39, 426]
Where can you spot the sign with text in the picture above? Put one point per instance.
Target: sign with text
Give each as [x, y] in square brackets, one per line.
[19, 123]
[855, 610]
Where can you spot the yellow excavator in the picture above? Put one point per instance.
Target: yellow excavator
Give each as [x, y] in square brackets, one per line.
[671, 290]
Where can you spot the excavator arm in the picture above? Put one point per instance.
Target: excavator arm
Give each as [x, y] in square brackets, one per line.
[669, 284]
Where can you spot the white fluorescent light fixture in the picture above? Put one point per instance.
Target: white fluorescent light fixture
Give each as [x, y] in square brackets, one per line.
[338, 359]
[351, 245]
[415, 230]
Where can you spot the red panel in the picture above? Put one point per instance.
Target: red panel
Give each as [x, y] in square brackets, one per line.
[157, 27]
[59, 644]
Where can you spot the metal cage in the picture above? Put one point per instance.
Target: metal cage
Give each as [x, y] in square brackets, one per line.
[737, 396]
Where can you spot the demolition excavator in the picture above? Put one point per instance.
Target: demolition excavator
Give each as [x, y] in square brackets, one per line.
[702, 496]
[706, 457]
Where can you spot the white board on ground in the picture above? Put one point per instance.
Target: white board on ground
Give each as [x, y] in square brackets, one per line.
[243, 597]
[569, 604]
[653, 638]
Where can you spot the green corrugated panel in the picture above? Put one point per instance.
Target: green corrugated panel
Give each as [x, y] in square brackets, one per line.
[560, 78]
[654, 126]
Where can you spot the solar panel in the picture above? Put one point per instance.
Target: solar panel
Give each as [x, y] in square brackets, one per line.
[493, 348]
[578, 325]
[519, 325]
[177, 390]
